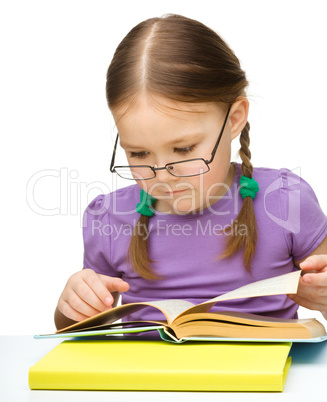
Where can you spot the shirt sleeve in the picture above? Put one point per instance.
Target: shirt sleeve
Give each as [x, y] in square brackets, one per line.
[96, 221]
[304, 222]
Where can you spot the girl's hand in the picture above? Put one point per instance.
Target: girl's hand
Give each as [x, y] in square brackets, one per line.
[88, 293]
[312, 290]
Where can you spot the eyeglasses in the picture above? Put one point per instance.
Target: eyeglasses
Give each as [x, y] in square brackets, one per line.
[186, 168]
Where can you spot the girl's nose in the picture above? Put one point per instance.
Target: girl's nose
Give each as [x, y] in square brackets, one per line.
[163, 175]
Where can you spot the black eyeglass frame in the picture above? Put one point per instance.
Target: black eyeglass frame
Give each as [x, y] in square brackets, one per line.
[207, 162]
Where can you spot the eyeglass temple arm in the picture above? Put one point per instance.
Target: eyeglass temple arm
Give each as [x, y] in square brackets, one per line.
[213, 153]
[113, 155]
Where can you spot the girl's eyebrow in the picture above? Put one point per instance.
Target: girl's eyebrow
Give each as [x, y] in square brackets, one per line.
[191, 137]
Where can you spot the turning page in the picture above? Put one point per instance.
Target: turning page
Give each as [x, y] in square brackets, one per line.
[278, 285]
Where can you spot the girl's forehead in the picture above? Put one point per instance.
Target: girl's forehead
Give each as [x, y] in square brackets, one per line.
[160, 124]
[165, 110]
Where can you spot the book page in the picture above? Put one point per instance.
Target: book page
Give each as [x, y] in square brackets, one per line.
[171, 308]
[278, 285]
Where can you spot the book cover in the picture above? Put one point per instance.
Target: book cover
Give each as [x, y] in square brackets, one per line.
[162, 366]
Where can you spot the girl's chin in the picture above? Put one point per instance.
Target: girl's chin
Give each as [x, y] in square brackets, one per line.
[182, 207]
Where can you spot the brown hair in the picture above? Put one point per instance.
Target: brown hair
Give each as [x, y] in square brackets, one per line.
[182, 60]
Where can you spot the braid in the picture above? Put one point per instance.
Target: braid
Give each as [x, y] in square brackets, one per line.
[237, 241]
[245, 152]
[138, 255]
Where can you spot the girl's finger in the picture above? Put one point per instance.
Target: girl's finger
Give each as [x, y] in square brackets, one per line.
[86, 299]
[114, 284]
[81, 305]
[314, 262]
[70, 312]
[315, 279]
[100, 298]
[309, 304]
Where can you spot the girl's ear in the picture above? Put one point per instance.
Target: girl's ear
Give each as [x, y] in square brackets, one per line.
[238, 117]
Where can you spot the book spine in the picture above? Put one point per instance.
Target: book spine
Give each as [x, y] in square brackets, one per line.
[156, 381]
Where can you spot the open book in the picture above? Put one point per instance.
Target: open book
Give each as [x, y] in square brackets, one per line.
[185, 320]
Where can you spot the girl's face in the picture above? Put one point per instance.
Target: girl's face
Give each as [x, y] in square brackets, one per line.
[157, 131]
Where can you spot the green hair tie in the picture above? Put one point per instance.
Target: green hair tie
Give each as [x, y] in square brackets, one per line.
[249, 187]
[146, 201]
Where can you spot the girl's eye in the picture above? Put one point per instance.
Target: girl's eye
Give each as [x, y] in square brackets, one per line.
[143, 154]
[185, 150]
[138, 155]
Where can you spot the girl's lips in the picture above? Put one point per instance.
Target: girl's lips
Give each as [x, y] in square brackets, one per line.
[175, 192]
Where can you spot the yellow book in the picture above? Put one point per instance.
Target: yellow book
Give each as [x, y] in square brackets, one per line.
[162, 366]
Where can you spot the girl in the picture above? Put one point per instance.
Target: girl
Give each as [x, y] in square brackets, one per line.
[194, 225]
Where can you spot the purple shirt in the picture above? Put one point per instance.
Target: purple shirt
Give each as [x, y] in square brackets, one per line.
[290, 222]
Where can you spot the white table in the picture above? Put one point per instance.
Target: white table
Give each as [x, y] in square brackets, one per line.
[307, 378]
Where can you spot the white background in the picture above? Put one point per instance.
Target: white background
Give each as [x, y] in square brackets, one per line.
[57, 134]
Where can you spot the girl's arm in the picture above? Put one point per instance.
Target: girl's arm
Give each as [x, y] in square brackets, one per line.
[312, 291]
[86, 294]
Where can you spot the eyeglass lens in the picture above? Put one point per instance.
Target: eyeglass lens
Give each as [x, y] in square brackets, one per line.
[181, 169]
